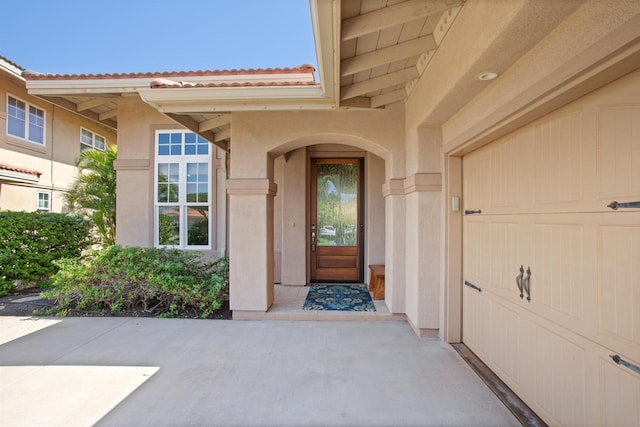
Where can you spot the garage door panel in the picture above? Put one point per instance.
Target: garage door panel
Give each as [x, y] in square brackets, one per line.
[561, 372]
[543, 192]
[504, 257]
[475, 329]
[619, 284]
[505, 334]
[622, 387]
[618, 151]
[558, 162]
[558, 280]
[477, 252]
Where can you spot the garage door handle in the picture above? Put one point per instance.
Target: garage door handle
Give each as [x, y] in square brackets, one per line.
[472, 212]
[527, 284]
[620, 361]
[616, 205]
[472, 286]
[519, 281]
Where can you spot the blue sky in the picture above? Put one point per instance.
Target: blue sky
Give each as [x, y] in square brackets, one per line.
[122, 36]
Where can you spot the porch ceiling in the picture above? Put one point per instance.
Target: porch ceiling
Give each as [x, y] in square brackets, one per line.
[385, 46]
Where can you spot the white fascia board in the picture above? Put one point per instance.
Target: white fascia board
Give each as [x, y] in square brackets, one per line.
[11, 69]
[71, 87]
[18, 177]
[132, 85]
[206, 100]
[325, 23]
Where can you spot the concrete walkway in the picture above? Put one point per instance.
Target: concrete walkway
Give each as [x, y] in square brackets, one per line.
[157, 372]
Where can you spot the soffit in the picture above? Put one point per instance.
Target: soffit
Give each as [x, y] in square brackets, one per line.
[385, 46]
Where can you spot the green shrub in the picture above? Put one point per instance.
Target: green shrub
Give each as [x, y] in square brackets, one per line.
[30, 241]
[164, 282]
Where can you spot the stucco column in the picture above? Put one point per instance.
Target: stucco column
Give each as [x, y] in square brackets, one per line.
[423, 200]
[394, 259]
[250, 244]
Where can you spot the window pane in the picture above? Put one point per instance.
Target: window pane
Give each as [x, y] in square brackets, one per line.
[36, 125]
[16, 118]
[197, 182]
[100, 143]
[337, 204]
[192, 190]
[86, 136]
[15, 127]
[163, 144]
[198, 226]
[203, 145]
[43, 201]
[169, 225]
[203, 193]
[190, 138]
[168, 177]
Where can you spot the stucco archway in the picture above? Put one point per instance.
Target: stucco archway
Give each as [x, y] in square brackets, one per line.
[262, 142]
[291, 205]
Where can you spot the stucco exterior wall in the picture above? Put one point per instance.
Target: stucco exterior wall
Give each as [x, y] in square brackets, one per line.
[137, 124]
[55, 159]
[260, 137]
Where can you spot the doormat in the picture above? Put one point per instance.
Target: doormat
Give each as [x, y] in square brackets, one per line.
[339, 298]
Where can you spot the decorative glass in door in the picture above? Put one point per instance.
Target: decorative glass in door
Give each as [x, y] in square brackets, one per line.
[337, 204]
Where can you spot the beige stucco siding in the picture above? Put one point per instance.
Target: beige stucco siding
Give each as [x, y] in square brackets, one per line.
[137, 126]
[54, 160]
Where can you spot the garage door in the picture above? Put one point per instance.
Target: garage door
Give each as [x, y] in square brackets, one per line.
[552, 273]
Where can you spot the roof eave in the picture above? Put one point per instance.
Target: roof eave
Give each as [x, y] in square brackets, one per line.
[215, 99]
[325, 23]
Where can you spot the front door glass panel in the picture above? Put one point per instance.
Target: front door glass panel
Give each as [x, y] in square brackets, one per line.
[337, 204]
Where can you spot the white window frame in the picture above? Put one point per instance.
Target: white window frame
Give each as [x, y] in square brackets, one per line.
[47, 199]
[92, 145]
[27, 121]
[182, 160]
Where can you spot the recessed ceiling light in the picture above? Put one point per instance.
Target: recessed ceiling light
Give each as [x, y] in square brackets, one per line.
[487, 76]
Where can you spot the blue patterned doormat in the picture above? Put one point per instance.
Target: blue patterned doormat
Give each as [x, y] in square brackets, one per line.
[339, 298]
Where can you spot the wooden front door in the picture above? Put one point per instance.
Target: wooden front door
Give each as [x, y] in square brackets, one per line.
[335, 228]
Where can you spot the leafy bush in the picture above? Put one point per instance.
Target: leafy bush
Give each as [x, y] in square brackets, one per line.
[30, 241]
[164, 282]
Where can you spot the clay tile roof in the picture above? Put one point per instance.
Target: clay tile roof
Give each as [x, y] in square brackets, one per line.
[19, 170]
[306, 68]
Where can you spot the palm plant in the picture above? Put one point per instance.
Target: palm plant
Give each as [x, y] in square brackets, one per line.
[93, 193]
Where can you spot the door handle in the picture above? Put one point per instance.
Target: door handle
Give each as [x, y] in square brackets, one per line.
[313, 241]
[519, 281]
[628, 205]
[526, 284]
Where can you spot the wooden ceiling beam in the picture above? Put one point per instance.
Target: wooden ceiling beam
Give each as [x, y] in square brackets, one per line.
[194, 126]
[221, 120]
[108, 114]
[393, 15]
[72, 106]
[377, 83]
[87, 105]
[357, 102]
[222, 135]
[388, 54]
[387, 98]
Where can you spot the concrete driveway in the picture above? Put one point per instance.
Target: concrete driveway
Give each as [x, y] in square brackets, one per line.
[166, 372]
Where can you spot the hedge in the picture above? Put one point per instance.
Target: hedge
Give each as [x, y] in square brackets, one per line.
[30, 241]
